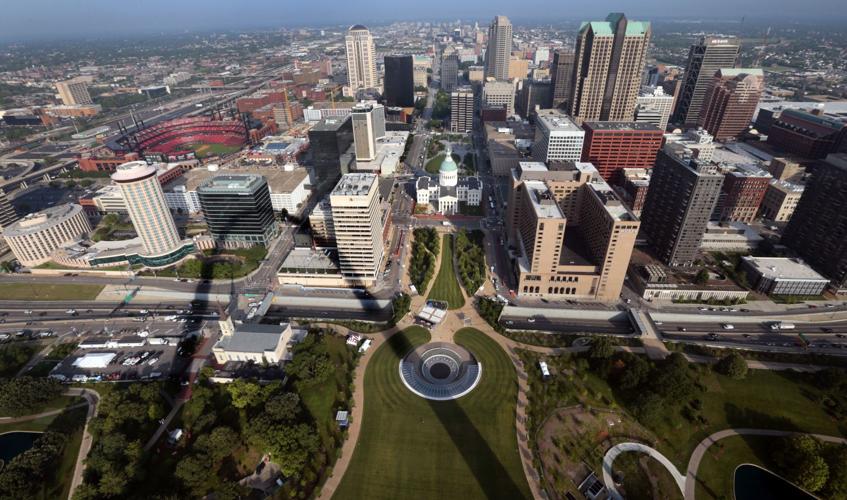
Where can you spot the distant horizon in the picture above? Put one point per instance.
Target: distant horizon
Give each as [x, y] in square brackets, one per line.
[56, 20]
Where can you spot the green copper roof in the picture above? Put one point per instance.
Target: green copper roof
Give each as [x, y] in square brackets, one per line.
[607, 27]
[448, 165]
[636, 28]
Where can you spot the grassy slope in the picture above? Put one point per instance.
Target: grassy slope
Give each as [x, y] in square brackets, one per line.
[413, 448]
[40, 291]
[446, 286]
[714, 478]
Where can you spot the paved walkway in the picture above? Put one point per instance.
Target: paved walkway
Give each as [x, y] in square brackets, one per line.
[616, 450]
[49, 413]
[703, 446]
[92, 398]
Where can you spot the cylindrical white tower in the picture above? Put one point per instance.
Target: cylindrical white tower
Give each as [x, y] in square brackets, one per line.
[147, 208]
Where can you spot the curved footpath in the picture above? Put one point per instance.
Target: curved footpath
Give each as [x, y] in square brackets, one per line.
[616, 450]
[92, 398]
[703, 446]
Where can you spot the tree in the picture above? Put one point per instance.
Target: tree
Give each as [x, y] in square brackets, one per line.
[284, 407]
[732, 365]
[836, 486]
[291, 446]
[217, 444]
[601, 348]
[24, 395]
[800, 461]
[400, 305]
[193, 471]
[244, 393]
[702, 277]
[634, 373]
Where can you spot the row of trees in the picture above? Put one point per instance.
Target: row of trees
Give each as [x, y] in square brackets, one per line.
[14, 356]
[424, 254]
[401, 304]
[441, 106]
[26, 395]
[470, 259]
[126, 416]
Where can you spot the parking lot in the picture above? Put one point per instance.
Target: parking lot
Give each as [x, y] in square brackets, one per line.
[122, 358]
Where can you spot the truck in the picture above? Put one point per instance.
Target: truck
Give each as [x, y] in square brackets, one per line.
[781, 325]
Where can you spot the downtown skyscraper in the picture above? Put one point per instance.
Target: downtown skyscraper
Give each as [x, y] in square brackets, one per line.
[608, 65]
[499, 48]
[705, 58]
[361, 58]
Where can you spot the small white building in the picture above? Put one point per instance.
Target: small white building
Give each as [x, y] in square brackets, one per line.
[254, 342]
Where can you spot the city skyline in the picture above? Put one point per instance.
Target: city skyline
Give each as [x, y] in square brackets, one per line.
[107, 19]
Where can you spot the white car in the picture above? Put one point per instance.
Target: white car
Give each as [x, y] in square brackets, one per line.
[728, 326]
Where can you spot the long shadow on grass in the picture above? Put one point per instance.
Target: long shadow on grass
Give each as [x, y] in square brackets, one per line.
[489, 472]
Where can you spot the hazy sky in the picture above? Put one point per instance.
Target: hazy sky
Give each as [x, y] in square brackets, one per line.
[61, 18]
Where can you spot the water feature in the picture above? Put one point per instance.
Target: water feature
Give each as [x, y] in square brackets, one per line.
[14, 443]
[753, 483]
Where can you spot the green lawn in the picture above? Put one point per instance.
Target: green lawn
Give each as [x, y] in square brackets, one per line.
[446, 287]
[714, 477]
[41, 291]
[204, 150]
[413, 448]
[434, 163]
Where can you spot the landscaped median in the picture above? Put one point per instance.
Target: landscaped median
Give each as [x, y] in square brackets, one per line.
[446, 286]
[411, 447]
[42, 291]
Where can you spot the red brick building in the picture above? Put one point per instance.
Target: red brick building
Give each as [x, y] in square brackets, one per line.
[742, 193]
[806, 134]
[612, 146]
[104, 163]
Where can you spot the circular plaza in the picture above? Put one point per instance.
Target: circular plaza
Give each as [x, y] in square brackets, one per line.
[440, 371]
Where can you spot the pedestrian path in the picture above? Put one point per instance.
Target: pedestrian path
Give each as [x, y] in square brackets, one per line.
[616, 450]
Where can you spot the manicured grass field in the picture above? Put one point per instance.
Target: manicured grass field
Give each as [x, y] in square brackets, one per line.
[413, 448]
[41, 291]
[714, 477]
[204, 150]
[434, 163]
[446, 287]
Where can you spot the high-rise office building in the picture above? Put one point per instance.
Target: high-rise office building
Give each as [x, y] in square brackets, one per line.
[654, 106]
[399, 81]
[499, 94]
[238, 210]
[74, 92]
[818, 229]
[534, 93]
[682, 195]
[461, 109]
[557, 137]
[561, 77]
[147, 207]
[613, 146]
[499, 48]
[329, 141]
[573, 235]
[730, 101]
[449, 72]
[608, 66]
[361, 58]
[705, 57]
[7, 211]
[357, 224]
[368, 127]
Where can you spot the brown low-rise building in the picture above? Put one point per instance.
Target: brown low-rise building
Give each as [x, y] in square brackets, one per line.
[780, 200]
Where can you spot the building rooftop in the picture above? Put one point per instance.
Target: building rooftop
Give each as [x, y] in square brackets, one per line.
[783, 268]
[607, 27]
[788, 187]
[279, 180]
[747, 170]
[254, 338]
[543, 203]
[133, 170]
[231, 182]
[622, 126]
[742, 71]
[354, 184]
[329, 124]
[556, 121]
[309, 260]
[39, 221]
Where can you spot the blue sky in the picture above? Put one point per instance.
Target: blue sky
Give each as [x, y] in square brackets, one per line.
[59, 18]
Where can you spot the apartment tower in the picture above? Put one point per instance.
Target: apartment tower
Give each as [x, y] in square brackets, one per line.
[682, 195]
[461, 110]
[608, 66]
[499, 48]
[818, 229]
[147, 208]
[730, 102]
[705, 57]
[361, 58]
[574, 236]
[561, 76]
[357, 225]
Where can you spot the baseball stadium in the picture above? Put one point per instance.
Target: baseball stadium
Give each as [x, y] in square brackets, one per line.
[203, 135]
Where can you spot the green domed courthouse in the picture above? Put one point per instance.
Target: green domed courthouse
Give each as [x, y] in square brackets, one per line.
[445, 194]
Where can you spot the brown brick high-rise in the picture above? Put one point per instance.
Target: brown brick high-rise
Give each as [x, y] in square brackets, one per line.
[730, 102]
